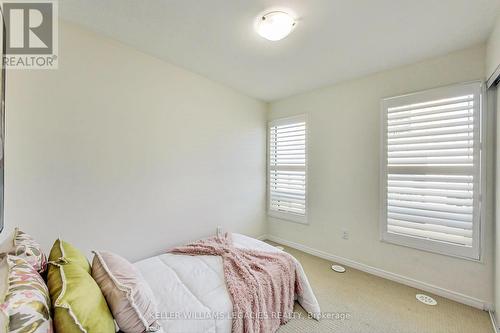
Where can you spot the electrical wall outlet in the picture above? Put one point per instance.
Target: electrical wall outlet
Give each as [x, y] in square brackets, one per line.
[345, 234]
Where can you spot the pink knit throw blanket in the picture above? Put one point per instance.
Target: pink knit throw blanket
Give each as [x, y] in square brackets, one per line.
[262, 284]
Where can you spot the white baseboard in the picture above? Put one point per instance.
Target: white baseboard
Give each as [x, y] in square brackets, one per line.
[455, 296]
[494, 321]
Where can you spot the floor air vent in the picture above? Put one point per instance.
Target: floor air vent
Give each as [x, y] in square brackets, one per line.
[426, 299]
[338, 268]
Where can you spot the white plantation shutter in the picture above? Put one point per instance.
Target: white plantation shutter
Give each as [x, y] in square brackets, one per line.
[431, 170]
[287, 182]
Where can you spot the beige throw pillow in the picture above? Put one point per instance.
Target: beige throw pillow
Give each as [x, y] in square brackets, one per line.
[127, 293]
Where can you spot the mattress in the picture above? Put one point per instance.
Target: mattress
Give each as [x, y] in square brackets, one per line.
[191, 293]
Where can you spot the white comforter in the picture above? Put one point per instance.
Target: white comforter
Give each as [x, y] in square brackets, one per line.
[191, 293]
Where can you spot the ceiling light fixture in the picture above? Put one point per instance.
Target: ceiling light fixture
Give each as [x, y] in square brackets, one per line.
[275, 25]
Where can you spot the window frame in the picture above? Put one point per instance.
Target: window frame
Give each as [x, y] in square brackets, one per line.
[475, 252]
[290, 217]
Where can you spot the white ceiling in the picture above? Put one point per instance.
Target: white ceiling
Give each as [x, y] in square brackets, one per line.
[334, 40]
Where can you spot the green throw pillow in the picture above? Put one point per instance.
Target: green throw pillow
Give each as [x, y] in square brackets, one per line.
[62, 249]
[79, 306]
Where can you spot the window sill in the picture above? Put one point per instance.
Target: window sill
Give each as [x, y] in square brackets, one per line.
[441, 248]
[288, 217]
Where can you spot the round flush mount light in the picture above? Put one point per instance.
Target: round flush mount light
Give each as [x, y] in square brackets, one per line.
[275, 25]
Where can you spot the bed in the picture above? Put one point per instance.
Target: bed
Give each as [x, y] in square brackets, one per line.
[191, 293]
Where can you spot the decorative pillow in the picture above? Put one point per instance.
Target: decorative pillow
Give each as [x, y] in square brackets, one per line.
[79, 306]
[127, 293]
[4, 286]
[23, 245]
[62, 251]
[26, 306]
[4, 277]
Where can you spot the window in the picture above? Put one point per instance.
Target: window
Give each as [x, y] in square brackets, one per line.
[431, 170]
[287, 167]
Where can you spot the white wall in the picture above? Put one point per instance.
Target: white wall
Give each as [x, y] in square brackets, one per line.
[496, 107]
[492, 63]
[118, 150]
[344, 154]
[493, 50]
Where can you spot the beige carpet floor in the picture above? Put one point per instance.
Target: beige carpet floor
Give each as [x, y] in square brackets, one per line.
[362, 303]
